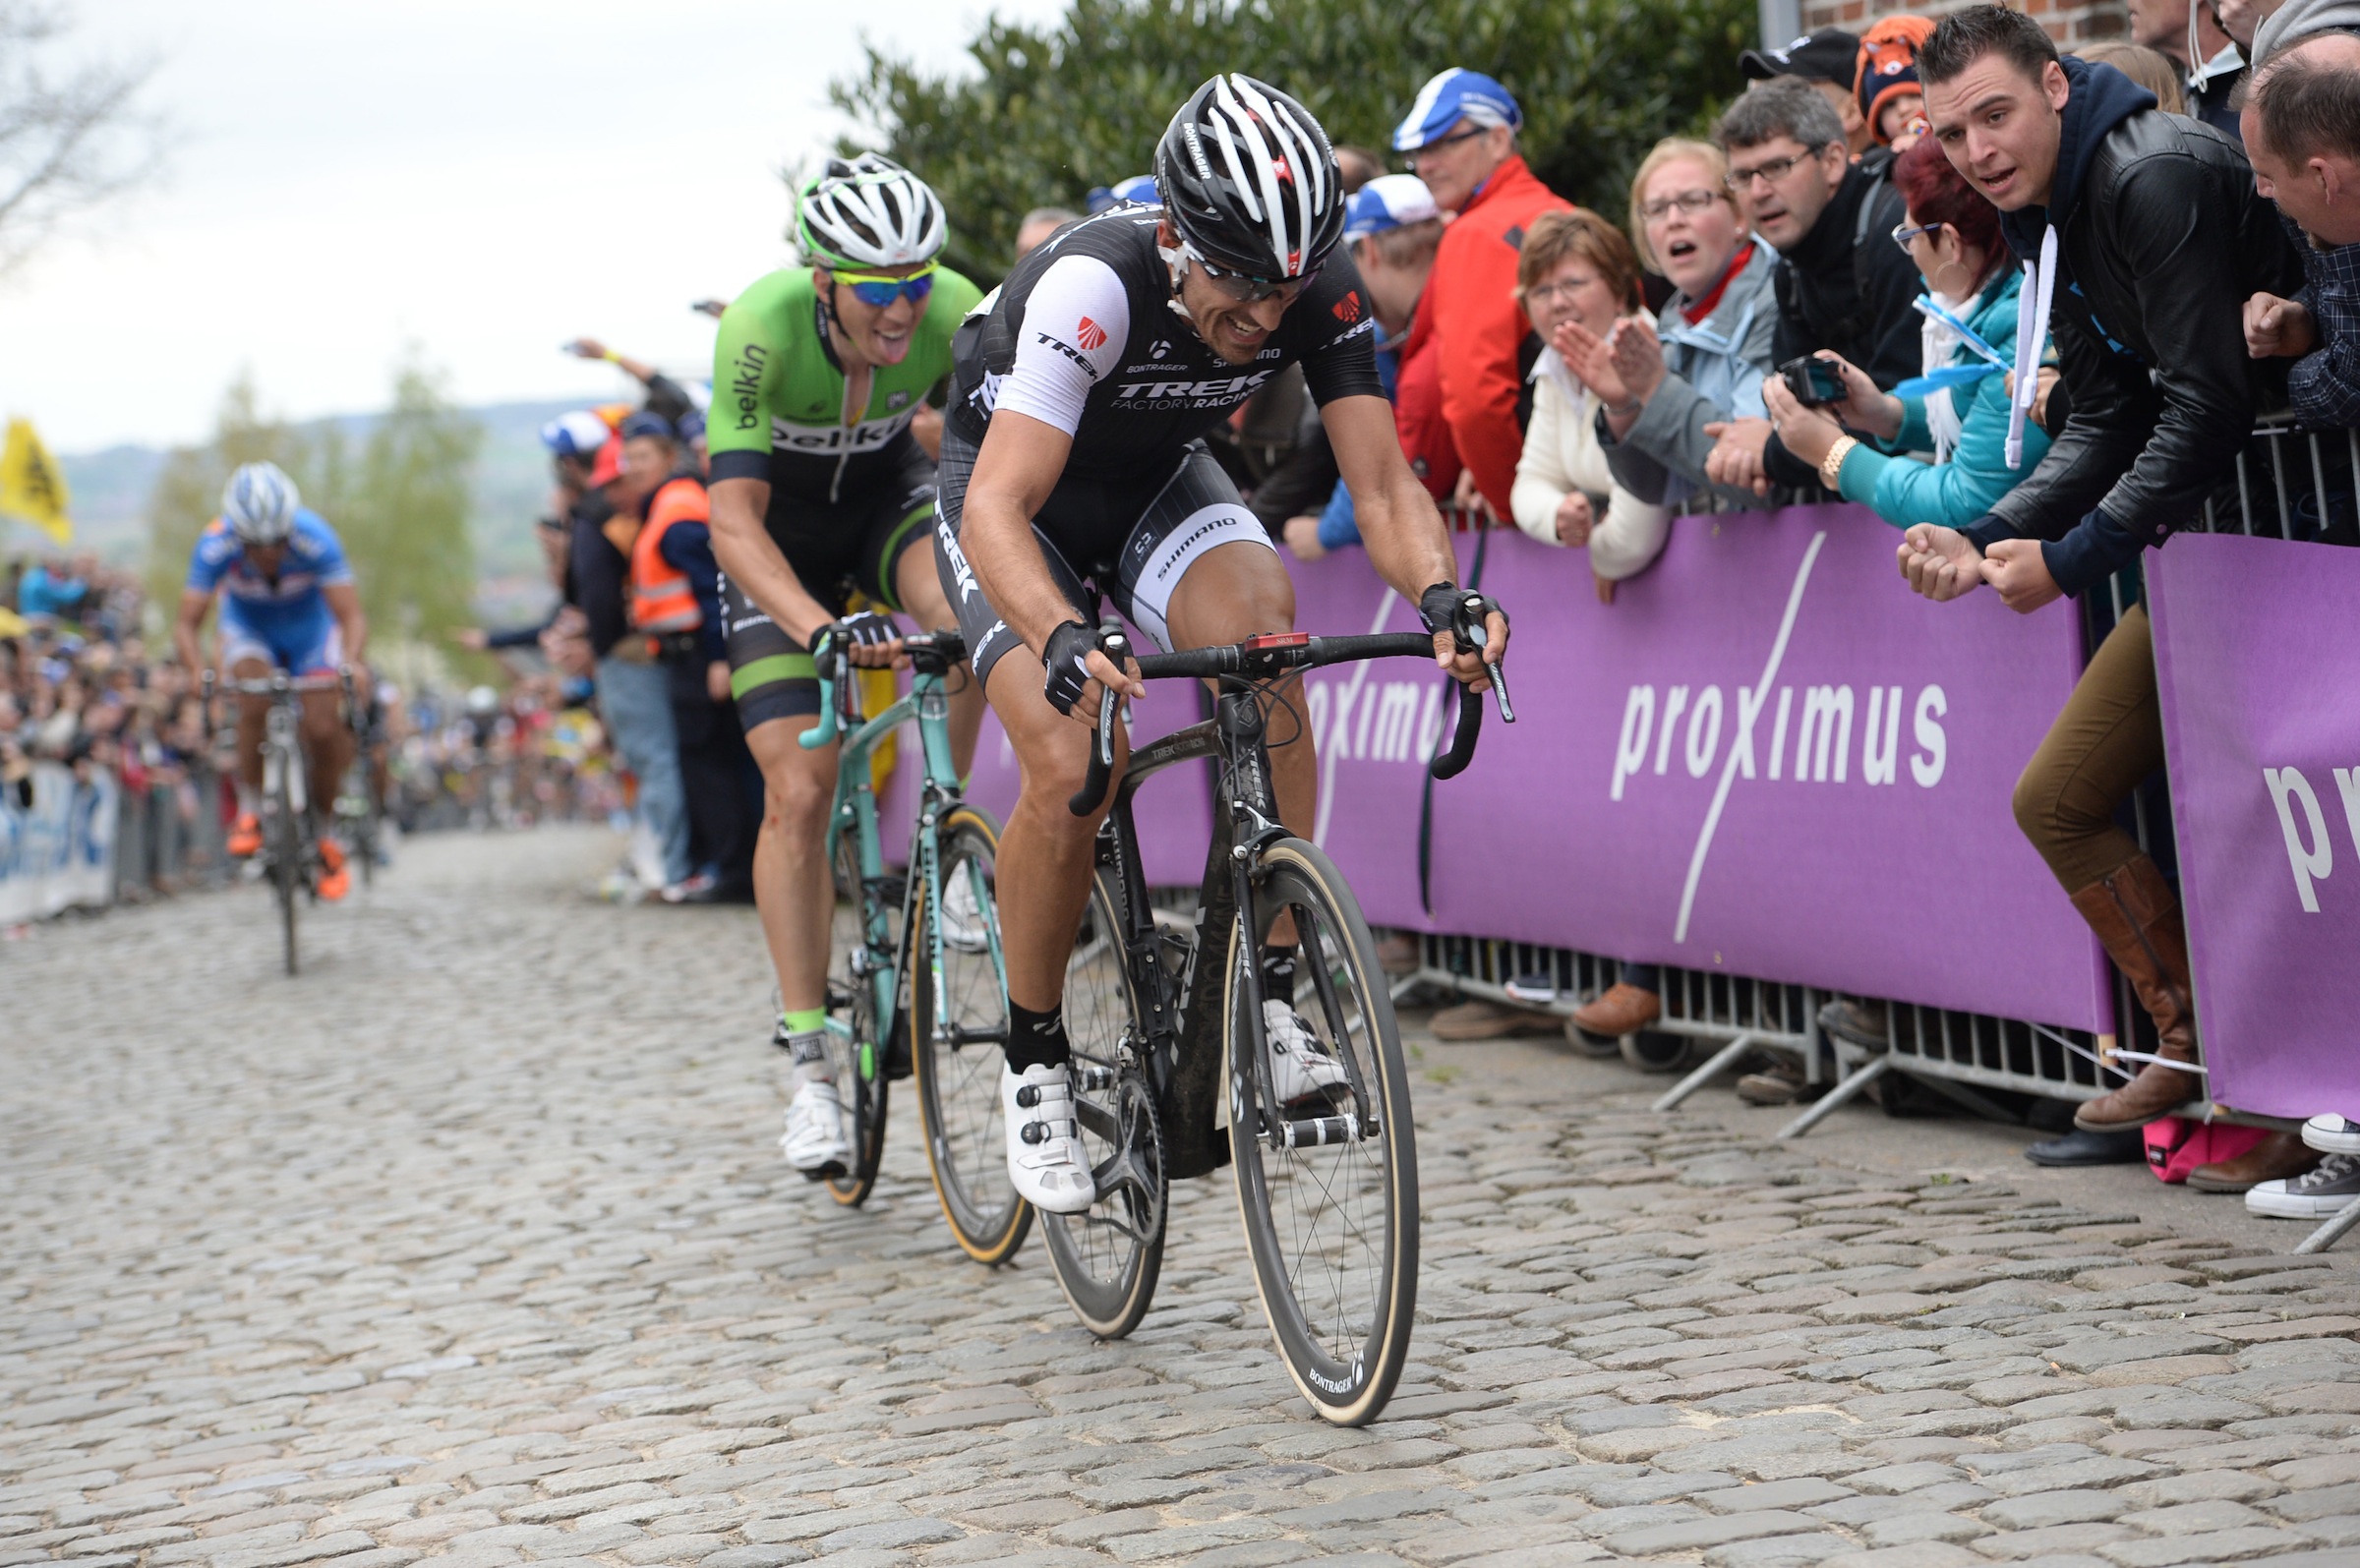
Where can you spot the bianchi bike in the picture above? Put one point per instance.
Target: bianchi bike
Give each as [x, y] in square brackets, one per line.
[1173, 1072]
[290, 856]
[919, 983]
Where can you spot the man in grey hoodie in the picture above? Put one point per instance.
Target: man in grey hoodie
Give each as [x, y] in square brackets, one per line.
[2295, 20]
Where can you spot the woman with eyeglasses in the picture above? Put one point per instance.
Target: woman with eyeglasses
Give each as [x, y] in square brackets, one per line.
[1958, 410]
[1577, 269]
[1701, 360]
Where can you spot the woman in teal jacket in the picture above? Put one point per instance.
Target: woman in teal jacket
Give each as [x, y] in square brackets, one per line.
[1959, 409]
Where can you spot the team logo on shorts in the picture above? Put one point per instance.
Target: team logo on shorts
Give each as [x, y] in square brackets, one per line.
[1089, 335]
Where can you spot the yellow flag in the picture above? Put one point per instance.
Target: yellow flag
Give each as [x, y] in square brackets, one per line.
[30, 486]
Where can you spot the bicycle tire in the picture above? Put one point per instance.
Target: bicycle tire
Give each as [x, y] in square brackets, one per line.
[959, 1084]
[286, 857]
[859, 1056]
[1108, 1257]
[1343, 1332]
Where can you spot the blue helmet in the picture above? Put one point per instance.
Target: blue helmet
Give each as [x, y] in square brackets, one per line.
[259, 503]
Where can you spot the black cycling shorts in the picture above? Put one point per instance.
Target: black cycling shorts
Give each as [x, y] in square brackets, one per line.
[837, 550]
[1133, 540]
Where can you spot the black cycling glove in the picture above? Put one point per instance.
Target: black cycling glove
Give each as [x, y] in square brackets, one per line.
[867, 629]
[1462, 612]
[1066, 660]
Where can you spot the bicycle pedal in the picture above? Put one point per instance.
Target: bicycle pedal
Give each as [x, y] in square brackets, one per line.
[831, 1170]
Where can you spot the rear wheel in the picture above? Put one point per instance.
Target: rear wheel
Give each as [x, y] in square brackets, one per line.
[1109, 1255]
[855, 1040]
[1327, 1187]
[958, 1075]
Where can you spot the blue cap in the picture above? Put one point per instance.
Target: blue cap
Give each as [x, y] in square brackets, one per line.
[1454, 96]
[692, 424]
[579, 434]
[1387, 203]
[1139, 188]
[645, 422]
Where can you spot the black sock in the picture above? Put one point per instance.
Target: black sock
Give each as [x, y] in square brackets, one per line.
[1279, 974]
[1037, 1040]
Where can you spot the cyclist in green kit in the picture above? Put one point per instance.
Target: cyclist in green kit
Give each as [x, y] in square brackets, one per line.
[822, 486]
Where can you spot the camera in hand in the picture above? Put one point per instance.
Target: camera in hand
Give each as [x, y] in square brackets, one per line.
[1813, 382]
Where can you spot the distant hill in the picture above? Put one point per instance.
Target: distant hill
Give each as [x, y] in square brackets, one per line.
[110, 489]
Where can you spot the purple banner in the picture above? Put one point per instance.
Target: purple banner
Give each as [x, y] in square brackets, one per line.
[1765, 756]
[2257, 650]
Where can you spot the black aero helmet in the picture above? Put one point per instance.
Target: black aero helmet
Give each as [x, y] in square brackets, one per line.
[1248, 178]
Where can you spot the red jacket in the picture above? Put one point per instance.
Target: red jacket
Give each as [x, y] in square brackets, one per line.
[1479, 323]
[1418, 409]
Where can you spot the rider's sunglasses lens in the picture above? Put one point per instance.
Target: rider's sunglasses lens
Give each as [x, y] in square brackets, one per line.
[881, 292]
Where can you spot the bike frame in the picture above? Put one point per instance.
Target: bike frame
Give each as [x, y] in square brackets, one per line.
[853, 809]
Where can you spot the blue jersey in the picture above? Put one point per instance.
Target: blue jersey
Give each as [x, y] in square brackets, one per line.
[314, 560]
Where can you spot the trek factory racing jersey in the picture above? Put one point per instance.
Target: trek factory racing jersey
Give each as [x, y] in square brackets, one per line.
[1085, 335]
[778, 411]
[314, 560]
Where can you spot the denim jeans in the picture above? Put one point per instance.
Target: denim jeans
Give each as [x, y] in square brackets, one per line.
[637, 700]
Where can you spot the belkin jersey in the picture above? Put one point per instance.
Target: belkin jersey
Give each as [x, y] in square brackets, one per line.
[314, 560]
[1083, 336]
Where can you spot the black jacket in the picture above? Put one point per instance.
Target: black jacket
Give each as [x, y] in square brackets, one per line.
[2161, 240]
[1822, 302]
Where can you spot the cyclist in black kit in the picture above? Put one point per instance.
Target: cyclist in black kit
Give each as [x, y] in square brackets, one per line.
[1072, 453]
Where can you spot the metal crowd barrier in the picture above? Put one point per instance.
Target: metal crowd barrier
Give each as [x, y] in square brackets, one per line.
[2289, 484]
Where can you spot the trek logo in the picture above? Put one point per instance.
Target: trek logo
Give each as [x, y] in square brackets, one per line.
[745, 384]
[1071, 352]
[1347, 309]
[1215, 392]
[1090, 336]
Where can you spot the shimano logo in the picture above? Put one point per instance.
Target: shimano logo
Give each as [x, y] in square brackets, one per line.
[1090, 336]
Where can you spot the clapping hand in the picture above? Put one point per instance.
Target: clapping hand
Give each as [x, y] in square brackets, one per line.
[1940, 563]
[1736, 459]
[2020, 571]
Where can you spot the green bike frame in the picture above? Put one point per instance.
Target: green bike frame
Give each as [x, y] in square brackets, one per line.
[854, 810]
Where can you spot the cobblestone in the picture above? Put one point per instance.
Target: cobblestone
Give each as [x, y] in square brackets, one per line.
[472, 1247]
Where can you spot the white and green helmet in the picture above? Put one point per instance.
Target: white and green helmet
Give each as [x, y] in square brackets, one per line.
[868, 211]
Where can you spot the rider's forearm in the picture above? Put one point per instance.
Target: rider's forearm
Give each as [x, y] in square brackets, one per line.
[184, 642]
[1407, 541]
[751, 561]
[996, 535]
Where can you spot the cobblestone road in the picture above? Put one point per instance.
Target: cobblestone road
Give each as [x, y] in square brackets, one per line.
[473, 1245]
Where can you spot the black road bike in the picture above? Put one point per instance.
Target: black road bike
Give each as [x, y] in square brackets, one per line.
[1173, 1070]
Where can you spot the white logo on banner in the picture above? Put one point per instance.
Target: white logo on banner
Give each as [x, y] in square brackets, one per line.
[2312, 862]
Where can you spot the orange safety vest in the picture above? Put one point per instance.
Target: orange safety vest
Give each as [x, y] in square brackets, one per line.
[663, 599]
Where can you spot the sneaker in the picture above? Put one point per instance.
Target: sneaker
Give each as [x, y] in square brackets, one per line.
[2332, 1135]
[1299, 1061]
[701, 887]
[2313, 1195]
[814, 1142]
[1044, 1147]
[335, 877]
[246, 838]
[962, 915]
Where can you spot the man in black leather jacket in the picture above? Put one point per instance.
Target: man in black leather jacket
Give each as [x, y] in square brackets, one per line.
[2146, 236]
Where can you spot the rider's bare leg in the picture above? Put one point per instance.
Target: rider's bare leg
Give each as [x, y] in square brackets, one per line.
[252, 712]
[326, 747]
[792, 887]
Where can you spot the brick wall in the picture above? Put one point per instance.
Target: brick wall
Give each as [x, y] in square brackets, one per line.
[2069, 22]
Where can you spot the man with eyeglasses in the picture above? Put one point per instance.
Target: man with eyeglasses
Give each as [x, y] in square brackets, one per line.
[1460, 135]
[820, 489]
[1073, 454]
[1840, 283]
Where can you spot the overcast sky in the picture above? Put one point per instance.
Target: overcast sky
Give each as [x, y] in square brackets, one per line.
[486, 178]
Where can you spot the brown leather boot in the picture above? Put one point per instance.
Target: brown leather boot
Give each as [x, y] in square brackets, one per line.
[2137, 920]
[2278, 1154]
[1619, 1010]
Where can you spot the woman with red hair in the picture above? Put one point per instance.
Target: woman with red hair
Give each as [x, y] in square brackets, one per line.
[1958, 410]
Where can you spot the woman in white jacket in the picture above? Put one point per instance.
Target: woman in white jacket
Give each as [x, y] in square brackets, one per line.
[1577, 266]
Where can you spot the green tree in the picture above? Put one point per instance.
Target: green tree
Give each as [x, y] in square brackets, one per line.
[400, 502]
[1051, 111]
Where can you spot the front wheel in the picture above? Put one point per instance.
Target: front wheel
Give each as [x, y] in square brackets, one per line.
[1326, 1182]
[285, 849]
[1108, 1256]
[957, 1034]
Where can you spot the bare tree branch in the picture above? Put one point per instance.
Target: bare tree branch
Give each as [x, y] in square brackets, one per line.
[69, 140]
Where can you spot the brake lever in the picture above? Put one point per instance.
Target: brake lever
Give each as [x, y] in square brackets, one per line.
[1468, 608]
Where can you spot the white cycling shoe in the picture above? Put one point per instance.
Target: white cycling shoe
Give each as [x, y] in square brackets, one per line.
[963, 914]
[1299, 1063]
[815, 1136]
[1044, 1150]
